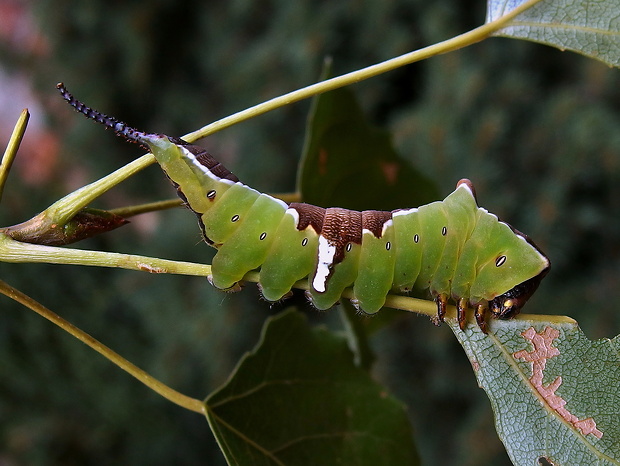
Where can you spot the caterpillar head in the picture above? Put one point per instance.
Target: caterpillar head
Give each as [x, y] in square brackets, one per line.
[509, 304]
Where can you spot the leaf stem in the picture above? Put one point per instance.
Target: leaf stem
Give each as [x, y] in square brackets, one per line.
[475, 35]
[64, 209]
[61, 211]
[12, 147]
[17, 252]
[130, 211]
[170, 394]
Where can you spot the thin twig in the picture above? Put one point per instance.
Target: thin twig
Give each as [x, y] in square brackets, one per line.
[170, 394]
[12, 147]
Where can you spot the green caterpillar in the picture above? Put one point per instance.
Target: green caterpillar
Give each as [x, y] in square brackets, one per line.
[453, 248]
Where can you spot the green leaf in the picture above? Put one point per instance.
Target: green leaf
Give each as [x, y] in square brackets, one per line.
[554, 392]
[589, 27]
[299, 399]
[357, 335]
[351, 164]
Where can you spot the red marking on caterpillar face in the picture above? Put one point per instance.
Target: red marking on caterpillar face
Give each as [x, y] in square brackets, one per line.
[544, 350]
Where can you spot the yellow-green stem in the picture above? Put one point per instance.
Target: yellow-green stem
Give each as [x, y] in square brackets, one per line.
[15, 251]
[61, 211]
[12, 147]
[18, 252]
[67, 207]
[130, 211]
[455, 43]
[170, 394]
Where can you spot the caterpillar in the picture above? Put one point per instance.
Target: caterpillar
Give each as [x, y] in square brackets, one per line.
[453, 248]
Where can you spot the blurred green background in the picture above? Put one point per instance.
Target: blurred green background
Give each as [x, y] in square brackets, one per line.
[535, 129]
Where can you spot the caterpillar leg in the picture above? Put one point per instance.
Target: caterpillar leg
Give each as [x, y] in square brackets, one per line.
[311, 300]
[461, 306]
[287, 295]
[233, 289]
[356, 305]
[480, 313]
[441, 300]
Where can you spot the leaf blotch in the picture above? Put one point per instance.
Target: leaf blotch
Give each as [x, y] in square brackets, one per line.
[544, 350]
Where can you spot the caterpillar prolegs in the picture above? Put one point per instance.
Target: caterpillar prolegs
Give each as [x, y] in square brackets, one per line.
[453, 248]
